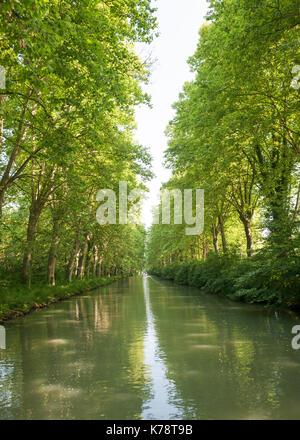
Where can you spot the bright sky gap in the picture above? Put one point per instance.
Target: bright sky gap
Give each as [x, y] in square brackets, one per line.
[179, 23]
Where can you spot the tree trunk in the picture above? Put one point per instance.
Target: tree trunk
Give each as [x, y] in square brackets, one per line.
[224, 241]
[216, 233]
[95, 260]
[82, 258]
[204, 249]
[99, 268]
[89, 257]
[35, 212]
[249, 236]
[88, 269]
[53, 251]
[2, 195]
[73, 257]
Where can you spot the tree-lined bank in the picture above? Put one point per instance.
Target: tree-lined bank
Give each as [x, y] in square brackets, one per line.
[67, 121]
[19, 301]
[236, 135]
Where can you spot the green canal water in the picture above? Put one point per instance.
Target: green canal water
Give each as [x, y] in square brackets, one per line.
[144, 348]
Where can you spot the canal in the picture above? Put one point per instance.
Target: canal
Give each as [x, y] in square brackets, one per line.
[144, 348]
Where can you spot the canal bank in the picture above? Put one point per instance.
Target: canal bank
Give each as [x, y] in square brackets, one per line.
[255, 280]
[21, 301]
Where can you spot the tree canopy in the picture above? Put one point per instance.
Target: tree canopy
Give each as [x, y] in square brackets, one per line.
[67, 121]
[236, 135]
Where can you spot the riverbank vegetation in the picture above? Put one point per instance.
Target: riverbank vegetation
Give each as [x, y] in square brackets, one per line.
[66, 131]
[19, 300]
[236, 135]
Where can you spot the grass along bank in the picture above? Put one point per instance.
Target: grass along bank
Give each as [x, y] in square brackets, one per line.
[260, 279]
[19, 301]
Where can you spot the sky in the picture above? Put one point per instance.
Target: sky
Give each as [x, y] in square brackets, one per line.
[179, 22]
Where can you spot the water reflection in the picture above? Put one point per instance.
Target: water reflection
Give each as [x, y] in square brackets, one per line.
[147, 349]
[234, 361]
[82, 358]
[163, 391]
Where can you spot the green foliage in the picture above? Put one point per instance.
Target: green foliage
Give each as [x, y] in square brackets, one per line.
[18, 300]
[256, 280]
[67, 121]
[236, 135]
